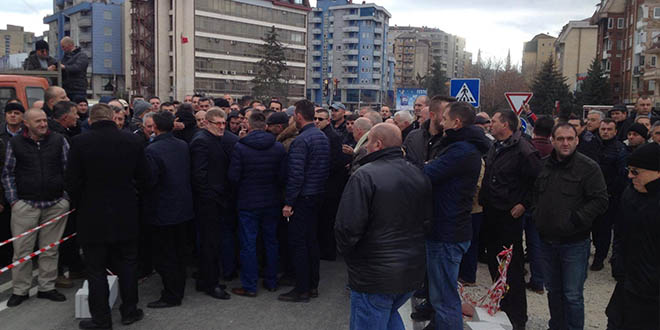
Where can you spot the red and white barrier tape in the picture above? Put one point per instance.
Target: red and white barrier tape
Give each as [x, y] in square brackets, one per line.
[51, 221]
[35, 253]
[491, 300]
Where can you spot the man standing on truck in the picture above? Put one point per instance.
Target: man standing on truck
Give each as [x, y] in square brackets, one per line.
[74, 69]
[39, 58]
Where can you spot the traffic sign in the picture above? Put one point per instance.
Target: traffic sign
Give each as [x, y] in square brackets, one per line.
[518, 100]
[466, 90]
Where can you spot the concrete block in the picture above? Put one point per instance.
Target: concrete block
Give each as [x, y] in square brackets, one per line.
[499, 318]
[82, 296]
[484, 326]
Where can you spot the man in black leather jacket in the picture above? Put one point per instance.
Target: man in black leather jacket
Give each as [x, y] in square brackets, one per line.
[380, 230]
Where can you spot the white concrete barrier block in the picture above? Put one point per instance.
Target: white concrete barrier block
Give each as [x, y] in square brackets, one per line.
[82, 296]
[484, 326]
[499, 318]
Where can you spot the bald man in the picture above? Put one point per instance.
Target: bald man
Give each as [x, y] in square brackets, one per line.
[382, 268]
[74, 69]
[52, 96]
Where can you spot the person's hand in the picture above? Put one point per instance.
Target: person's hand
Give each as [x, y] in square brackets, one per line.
[52, 67]
[517, 211]
[347, 149]
[287, 211]
[242, 133]
[62, 66]
[178, 125]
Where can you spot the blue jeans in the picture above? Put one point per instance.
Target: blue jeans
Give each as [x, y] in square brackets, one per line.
[373, 311]
[468, 270]
[533, 243]
[249, 223]
[566, 270]
[443, 261]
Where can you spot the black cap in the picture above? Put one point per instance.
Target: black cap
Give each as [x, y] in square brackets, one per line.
[278, 118]
[481, 121]
[639, 129]
[14, 106]
[79, 99]
[41, 44]
[646, 157]
[619, 107]
[220, 102]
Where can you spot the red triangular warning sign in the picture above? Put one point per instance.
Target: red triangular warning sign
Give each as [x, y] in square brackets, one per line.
[517, 100]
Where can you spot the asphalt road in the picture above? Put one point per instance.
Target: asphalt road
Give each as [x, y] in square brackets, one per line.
[198, 311]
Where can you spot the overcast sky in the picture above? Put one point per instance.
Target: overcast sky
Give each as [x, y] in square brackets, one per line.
[492, 26]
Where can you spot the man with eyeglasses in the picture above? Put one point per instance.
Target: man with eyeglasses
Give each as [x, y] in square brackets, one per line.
[636, 252]
[569, 193]
[210, 152]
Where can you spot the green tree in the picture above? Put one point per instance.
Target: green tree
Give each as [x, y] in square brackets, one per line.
[435, 82]
[548, 87]
[595, 88]
[270, 80]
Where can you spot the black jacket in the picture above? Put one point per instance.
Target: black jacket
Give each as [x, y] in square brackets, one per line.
[590, 145]
[612, 163]
[106, 171]
[58, 128]
[39, 170]
[380, 224]
[622, 128]
[32, 62]
[338, 159]
[406, 131]
[420, 146]
[190, 129]
[511, 169]
[168, 200]
[568, 196]
[210, 156]
[637, 255]
[74, 74]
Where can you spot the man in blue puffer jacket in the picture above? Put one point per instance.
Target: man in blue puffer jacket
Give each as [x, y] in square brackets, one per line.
[257, 170]
[454, 174]
[308, 169]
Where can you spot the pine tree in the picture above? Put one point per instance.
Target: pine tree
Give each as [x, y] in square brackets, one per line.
[508, 67]
[549, 86]
[269, 80]
[436, 80]
[595, 88]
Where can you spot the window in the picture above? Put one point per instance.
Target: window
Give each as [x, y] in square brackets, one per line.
[608, 65]
[653, 59]
[620, 23]
[107, 63]
[652, 85]
[656, 12]
[619, 45]
[107, 15]
[34, 94]
[107, 31]
[610, 23]
[7, 93]
[107, 47]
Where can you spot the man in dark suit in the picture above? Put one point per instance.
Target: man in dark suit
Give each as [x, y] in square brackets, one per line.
[106, 167]
[210, 152]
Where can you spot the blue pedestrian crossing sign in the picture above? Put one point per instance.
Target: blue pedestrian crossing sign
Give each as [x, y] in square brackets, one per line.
[466, 90]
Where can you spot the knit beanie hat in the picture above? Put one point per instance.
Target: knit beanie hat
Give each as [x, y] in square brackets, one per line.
[14, 106]
[41, 44]
[139, 108]
[646, 157]
[639, 129]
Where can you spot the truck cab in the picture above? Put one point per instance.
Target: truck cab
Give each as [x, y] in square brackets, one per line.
[27, 89]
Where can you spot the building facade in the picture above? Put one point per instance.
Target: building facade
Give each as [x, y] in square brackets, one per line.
[211, 47]
[536, 52]
[16, 40]
[96, 26]
[575, 50]
[651, 72]
[348, 60]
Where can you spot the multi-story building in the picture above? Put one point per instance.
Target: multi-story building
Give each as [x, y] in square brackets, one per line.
[348, 60]
[575, 50]
[16, 40]
[536, 52]
[446, 48]
[651, 74]
[217, 40]
[96, 26]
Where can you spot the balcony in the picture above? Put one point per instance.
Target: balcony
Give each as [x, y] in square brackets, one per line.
[316, 31]
[377, 65]
[316, 64]
[316, 42]
[351, 17]
[351, 40]
[376, 75]
[314, 86]
[378, 42]
[315, 20]
[85, 38]
[349, 63]
[84, 21]
[350, 75]
[316, 53]
[316, 74]
[378, 53]
[351, 52]
[638, 71]
[606, 54]
[351, 29]
[639, 48]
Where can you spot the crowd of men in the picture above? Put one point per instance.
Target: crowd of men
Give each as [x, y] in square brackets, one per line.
[411, 200]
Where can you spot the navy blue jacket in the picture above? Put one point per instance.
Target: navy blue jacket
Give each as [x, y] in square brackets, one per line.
[210, 157]
[454, 174]
[308, 164]
[257, 169]
[168, 200]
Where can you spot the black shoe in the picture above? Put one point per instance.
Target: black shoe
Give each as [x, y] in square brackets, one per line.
[424, 306]
[218, 293]
[51, 295]
[89, 324]
[314, 293]
[16, 300]
[423, 312]
[293, 296]
[286, 281]
[597, 266]
[161, 304]
[133, 317]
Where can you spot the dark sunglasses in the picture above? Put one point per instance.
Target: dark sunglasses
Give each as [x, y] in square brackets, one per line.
[633, 171]
[319, 119]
